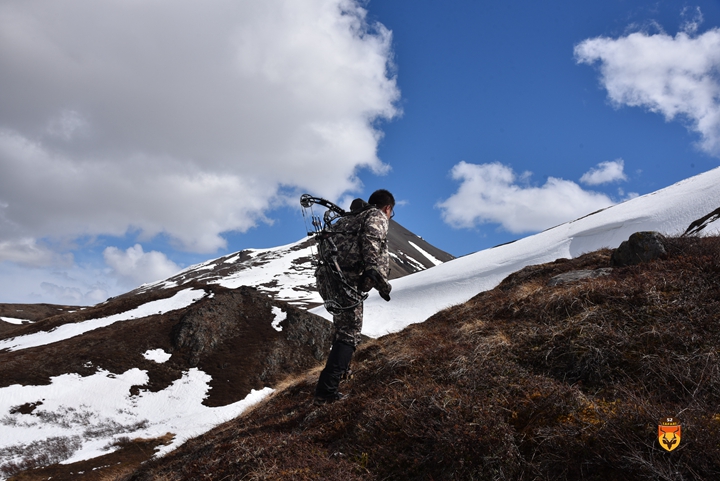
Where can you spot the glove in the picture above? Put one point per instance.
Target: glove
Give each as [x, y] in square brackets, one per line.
[372, 278]
[385, 291]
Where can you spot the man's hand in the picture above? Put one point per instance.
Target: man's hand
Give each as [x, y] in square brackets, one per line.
[372, 278]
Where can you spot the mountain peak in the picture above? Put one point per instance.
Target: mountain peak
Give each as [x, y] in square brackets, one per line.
[287, 273]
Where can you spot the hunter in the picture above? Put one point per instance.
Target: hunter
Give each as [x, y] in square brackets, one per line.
[364, 259]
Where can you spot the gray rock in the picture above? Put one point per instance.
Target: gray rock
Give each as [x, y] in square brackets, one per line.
[574, 276]
[640, 247]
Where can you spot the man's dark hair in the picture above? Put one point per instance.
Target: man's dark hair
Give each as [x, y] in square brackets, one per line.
[380, 198]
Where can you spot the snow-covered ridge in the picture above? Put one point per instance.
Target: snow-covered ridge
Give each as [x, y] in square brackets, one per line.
[287, 272]
[416, 297]
[180, 300]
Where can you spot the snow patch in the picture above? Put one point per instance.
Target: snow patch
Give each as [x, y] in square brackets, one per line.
[232, 260]
[427, 255]
[157, 355]
[12, 320]
[94, 411]
[406, 259]
[279, 317]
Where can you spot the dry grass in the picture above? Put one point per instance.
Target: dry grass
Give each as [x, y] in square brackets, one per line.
[525, 382]
[110, 467]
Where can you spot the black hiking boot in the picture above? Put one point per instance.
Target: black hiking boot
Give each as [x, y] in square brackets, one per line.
[337, 365]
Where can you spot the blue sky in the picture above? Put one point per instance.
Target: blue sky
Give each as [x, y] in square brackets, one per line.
[487, 82]
[137, 139]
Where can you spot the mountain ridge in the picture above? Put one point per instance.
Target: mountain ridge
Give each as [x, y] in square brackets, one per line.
[287, 272]
[416, 298]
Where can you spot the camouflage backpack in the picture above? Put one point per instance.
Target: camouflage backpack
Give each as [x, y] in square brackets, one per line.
[338, 253]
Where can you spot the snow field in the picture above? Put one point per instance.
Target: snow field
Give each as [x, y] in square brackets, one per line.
[99, 409]
[293, 283]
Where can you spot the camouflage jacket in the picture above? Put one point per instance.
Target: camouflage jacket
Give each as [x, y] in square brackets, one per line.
[361, 240]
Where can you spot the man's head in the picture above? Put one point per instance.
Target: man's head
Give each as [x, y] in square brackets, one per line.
[383, 200]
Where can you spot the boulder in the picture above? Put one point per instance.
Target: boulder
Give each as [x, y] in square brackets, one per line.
[640, 247]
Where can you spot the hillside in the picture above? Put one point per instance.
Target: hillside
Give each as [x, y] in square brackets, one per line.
[164, 362]
[534, 379]
[75, 386]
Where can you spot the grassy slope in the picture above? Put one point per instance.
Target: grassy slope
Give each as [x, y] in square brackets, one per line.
[525, 381]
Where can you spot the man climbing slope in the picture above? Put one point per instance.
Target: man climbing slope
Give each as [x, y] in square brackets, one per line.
[363, 257]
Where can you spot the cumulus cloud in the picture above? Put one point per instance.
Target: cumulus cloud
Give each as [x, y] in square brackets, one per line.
[677, 77]
[31, 253]
[493, 193]
[138, 266]
[180, 117]
[73, 296]
[605, 172]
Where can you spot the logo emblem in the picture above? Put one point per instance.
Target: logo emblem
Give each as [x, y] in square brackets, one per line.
[669, 433]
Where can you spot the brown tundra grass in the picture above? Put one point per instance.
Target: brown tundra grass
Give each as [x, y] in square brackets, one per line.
[524, 382]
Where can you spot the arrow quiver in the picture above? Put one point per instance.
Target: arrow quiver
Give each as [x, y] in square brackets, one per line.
[338, 294]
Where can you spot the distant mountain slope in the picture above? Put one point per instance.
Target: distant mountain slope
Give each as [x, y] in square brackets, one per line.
[287, 273]
[13, 316]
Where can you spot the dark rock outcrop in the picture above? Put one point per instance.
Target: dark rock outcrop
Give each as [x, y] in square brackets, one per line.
[700, 224]
[640, 247]
[231, 337]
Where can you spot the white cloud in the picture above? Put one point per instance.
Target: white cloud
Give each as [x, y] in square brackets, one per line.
[73, 296]
[605, 172]
[29, 252]
[138, 266]
[693, 18]
[59, 283]
[490, 193]
[677, 77]
[180, 117]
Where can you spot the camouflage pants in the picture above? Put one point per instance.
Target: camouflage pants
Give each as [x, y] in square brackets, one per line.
[348, 325]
